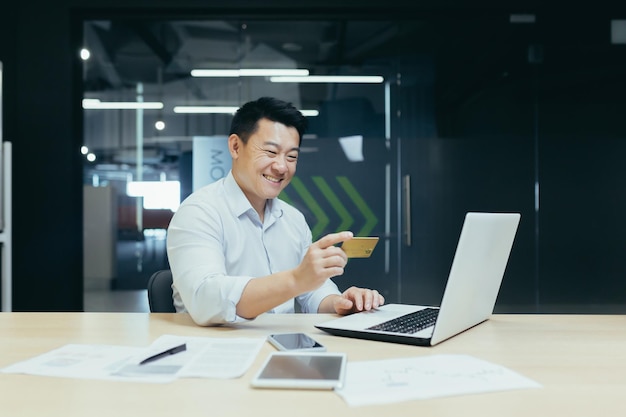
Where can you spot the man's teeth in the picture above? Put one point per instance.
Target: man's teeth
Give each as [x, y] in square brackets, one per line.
[273, 179]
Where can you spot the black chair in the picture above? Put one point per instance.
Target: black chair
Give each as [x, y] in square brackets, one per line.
[160, 292]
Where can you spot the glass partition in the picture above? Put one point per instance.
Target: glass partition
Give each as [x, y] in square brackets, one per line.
[472, 111]
[156, 90]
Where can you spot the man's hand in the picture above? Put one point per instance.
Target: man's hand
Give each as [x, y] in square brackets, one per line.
[322, 261]
[356, 299]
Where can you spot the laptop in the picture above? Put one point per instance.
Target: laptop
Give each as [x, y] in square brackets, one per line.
[469, 298]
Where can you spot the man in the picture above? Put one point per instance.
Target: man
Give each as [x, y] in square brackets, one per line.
[237, 251]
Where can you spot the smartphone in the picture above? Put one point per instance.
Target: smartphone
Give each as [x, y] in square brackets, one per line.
[295, 341]
[359, 247]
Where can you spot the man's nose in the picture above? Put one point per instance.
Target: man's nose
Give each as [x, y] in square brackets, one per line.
[280, 164]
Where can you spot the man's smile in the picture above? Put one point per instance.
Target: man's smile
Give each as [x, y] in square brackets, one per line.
[272, 179]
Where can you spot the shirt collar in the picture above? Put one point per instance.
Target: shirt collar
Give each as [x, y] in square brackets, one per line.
[239, 202]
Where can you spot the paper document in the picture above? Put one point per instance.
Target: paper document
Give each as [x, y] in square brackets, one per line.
[403, 379]
[82, 361]
[204, 357]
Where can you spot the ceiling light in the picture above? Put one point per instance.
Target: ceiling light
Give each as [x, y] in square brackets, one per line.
[225, 110]
[249, 72]
[90, 103]
[84, 54]
[358, 79]
[206, 109]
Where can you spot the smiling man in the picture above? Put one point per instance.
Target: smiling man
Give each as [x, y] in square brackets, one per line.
[237, 251]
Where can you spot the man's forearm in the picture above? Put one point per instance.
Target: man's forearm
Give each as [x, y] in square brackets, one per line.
[263, 294]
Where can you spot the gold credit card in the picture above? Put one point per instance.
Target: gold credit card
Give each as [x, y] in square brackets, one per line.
[359, 247]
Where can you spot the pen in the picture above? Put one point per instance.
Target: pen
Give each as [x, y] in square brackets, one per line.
[172, 351]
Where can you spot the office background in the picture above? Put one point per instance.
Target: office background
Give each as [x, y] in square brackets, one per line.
[502, 107]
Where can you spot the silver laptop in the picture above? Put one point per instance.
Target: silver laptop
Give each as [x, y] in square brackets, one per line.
[479, 263]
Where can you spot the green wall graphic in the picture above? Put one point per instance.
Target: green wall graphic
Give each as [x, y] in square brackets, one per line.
[333, 205]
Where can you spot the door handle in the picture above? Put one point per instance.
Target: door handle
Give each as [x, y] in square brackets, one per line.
[406, 192]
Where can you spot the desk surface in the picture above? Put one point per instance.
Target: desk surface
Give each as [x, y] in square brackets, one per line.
[579, 360]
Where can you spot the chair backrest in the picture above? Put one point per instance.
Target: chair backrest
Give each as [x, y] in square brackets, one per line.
[160, 292]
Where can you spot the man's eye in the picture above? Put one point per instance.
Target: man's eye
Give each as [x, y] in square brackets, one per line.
[292, 157]
[270, 152]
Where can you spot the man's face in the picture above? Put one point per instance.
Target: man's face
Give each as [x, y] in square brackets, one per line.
[265, 165]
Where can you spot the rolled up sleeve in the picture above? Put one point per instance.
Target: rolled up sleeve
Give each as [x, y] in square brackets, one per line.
[201, 286]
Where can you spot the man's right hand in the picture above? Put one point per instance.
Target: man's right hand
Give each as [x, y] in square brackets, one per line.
[322, 261]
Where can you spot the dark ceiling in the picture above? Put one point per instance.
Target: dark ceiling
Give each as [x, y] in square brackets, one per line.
[469, 54]
[126, 52]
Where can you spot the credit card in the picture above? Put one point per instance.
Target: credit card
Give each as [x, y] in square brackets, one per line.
[359, 247]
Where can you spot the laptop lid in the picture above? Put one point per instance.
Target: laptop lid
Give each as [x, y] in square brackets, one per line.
[471, 291]
[477, 271]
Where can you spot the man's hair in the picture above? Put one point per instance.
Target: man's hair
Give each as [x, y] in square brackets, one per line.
[245, 122]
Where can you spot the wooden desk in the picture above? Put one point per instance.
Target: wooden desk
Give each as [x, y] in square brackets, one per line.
[579, 360]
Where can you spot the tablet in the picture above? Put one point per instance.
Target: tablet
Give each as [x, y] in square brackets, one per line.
[302, 370]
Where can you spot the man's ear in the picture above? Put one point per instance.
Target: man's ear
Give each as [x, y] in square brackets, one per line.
[234, 145]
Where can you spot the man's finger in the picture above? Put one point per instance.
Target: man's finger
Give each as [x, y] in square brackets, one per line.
[333, 238]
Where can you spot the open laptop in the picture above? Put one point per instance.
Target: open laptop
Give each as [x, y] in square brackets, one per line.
[479, 263]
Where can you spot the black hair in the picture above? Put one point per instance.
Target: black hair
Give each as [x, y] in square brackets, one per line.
[245, 121]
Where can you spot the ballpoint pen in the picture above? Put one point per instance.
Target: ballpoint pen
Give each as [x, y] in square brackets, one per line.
[168, 352]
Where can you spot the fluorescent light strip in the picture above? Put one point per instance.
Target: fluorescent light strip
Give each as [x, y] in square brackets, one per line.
[89, 103]
[205, 109]
[248, 72]
[348, 79]
[225, 110]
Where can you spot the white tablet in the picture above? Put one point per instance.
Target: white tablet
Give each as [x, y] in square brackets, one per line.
[302, 370]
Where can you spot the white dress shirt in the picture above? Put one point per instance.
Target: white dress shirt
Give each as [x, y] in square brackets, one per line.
[216, 243]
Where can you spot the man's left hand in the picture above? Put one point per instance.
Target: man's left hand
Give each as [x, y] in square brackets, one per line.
[356, 299]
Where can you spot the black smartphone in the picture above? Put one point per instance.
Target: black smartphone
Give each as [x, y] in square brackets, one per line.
[295, 341]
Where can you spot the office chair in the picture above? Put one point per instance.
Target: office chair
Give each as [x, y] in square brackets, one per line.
[160, 292]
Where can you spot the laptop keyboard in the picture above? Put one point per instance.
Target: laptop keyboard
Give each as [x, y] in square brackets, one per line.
[409, 323]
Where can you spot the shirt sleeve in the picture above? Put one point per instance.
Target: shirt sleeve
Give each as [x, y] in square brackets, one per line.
[196, 256]
[310, 301]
